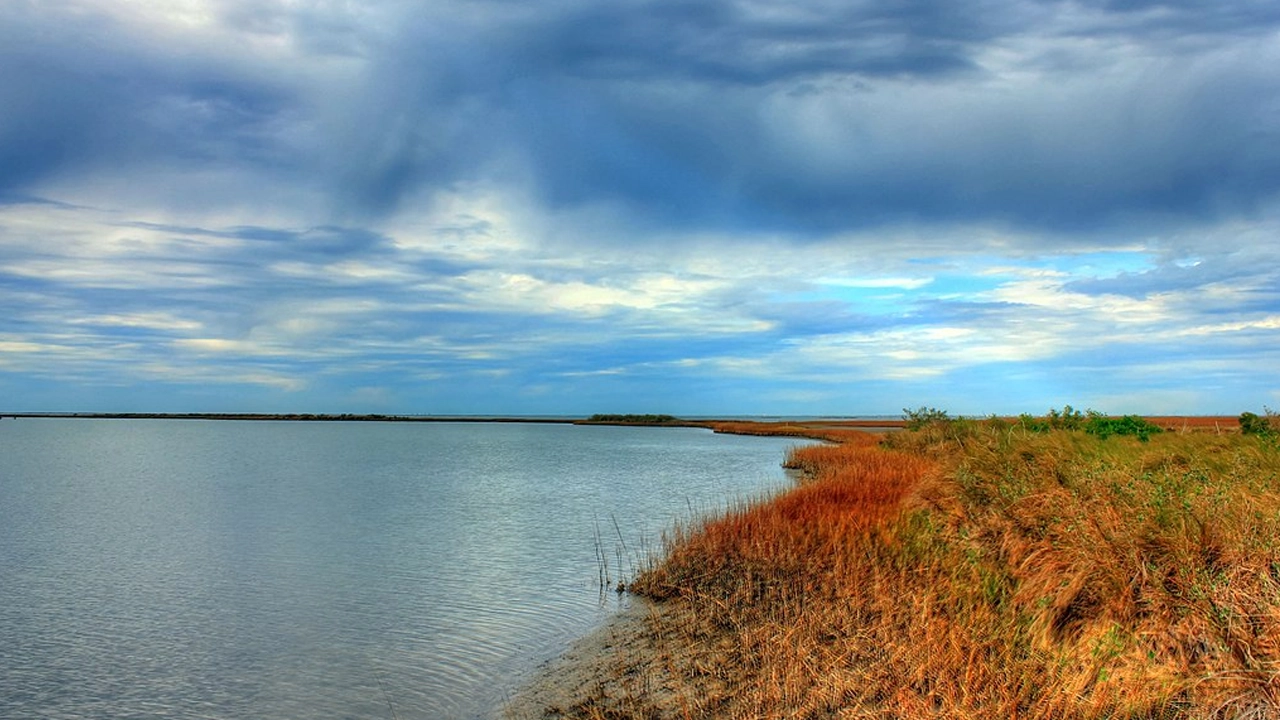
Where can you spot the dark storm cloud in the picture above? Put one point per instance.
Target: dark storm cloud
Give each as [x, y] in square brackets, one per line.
[1188, 17]
[730, 42]
[651, 105]
[695, 115]
[810, 118]
[84, 91]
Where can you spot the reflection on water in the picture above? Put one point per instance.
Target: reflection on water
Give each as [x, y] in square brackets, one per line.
[196, 569]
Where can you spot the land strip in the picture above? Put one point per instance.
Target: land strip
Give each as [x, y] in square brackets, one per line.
[800, 428]
[292, 417]
[964, 569]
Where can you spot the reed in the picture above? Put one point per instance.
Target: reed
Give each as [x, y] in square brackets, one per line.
[976, 570]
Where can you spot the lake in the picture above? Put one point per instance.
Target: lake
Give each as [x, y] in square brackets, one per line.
[285, 570]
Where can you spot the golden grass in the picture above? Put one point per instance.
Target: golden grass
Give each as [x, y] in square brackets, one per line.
[974, 570]
[774, 544]
[1199, 423]
[836, 432]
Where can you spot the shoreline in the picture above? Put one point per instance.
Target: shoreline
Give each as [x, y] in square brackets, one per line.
[555, 687]
[707, 423]
[636, 664]
[628, 656]
[813, 428]
[709, 637]
[287, 417]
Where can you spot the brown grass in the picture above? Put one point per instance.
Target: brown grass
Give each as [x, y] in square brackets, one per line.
[1201, 423]
[973, 570]
[756, 549]
[835, 432]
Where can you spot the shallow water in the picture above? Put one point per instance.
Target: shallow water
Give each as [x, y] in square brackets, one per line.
[221, 569]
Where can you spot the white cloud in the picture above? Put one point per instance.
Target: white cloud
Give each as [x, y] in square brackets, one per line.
[172, 373]
[875, 282]
[21, 346]
[147, 320]
[1271, 322]
[222, 346]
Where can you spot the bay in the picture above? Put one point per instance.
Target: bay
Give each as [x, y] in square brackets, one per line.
[223, 569]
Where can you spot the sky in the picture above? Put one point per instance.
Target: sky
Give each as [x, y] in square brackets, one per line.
[719, 207]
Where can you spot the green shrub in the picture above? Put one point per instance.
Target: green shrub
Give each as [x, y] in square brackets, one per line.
[924, 417]
[634, 419]
[1068, 419]
[1263, 425]
[1104, 427]
[1030, 423]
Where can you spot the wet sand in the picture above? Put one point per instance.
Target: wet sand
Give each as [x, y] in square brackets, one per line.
[613, 661]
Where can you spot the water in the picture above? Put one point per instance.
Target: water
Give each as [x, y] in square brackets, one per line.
[217, 569]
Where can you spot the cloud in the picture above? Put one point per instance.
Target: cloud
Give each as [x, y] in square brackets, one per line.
[754, 43]
[753, 199]
[1166, 19]
[89, 89]
[620, 106]
[814, 117]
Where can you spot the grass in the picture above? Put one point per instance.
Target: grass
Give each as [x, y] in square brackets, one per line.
[974, 569]
[834, 432]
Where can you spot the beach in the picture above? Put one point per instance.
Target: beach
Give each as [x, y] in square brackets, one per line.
[594, 663]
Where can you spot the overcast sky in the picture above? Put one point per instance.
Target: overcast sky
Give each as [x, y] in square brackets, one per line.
[703, 208]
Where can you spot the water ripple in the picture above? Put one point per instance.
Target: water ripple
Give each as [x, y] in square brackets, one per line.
[287, 570]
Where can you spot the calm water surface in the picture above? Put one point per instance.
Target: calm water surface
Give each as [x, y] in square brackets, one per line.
[219, 569]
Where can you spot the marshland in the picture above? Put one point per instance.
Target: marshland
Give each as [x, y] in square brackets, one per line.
[1070, 565]
[1066, 566]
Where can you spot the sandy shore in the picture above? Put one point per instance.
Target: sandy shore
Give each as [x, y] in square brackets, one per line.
[619, 657]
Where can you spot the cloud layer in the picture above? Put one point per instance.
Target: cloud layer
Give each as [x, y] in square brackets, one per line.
[565, 207]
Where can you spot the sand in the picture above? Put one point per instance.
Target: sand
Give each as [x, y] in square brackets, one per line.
[616, 660]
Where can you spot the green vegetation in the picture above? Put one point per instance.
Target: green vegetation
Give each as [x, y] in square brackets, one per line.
[1071, 567]
[1267, 425]
[1105, 427]
[923, 417]
[1068, 418]
[635, 419]
[1091, 422]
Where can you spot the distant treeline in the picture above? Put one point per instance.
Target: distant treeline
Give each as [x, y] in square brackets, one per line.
[635, 419]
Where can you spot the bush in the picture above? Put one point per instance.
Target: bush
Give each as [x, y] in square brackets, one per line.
[1104, 427]
[633, 419]
[1263, 425]
[1091, 421]
[924, 417]
[1068, 419]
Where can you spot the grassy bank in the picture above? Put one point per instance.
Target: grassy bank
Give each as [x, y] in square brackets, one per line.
[975, 570]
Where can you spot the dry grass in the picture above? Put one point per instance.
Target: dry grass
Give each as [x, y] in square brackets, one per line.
[1198, 423]
[846, 433]
[973, 570]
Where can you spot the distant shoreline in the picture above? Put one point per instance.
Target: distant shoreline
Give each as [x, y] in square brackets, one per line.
[868, 423]
[374, 417]
[289, 417]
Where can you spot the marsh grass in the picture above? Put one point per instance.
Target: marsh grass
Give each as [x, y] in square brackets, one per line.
[976, 570]
[829, 432]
